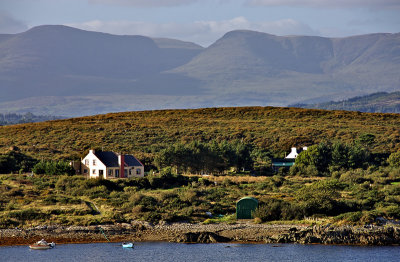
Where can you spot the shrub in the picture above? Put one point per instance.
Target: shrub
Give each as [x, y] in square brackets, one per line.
[28, 214]
[275, 209]
[53, 168]
[394, 159]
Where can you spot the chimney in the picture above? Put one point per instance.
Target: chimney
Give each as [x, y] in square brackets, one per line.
[294, 151]
[121, 162]
[91, 151]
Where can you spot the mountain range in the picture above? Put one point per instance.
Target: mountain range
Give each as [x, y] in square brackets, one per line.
[61, 70]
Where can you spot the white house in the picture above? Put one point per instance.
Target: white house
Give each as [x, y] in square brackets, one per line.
[293, 154]
[109, 165]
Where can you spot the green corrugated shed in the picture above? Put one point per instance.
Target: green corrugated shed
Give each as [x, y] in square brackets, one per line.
[245, 206]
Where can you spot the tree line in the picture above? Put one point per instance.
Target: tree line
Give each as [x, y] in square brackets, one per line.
[199, 157]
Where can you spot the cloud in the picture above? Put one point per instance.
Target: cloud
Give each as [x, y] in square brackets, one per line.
[145, 3]
[10, 25]
[200, 32]
[381, 4]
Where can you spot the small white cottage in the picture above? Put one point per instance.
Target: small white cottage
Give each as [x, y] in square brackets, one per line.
[293, 154]
[110, 165]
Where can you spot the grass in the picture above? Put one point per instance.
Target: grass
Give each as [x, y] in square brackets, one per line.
[144, 133]
[229, 219]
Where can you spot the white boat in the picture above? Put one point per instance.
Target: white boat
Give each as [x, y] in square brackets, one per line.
[127, 245]
[42, 245]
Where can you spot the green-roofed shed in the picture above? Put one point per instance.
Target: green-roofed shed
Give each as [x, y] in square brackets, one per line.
[245, 206]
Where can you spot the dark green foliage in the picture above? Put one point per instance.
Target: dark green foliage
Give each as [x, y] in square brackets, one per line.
[320, 197]
[276, 209]
[316, 155]
[198, 157]
[394, 159]
[28, 214]
[324, 157]
[15, 161]
[53, 168]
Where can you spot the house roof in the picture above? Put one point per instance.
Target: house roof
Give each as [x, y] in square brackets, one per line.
[110, 159]
[132, 161]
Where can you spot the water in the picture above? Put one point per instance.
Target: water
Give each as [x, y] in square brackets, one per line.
[160, 251]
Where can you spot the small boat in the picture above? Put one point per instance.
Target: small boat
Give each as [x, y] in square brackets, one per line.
[128, 245]
[42, 245]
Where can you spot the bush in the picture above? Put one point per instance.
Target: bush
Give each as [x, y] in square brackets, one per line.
[320, 197]
[350, 217]
[28, 214]
[15, 161]
[394, 159]
[53, 168]
[269, 211]
[275, 209]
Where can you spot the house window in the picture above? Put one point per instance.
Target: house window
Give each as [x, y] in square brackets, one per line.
[94, 162]
[138, 171]
[130, 171]
[125, 172]
[101, 172]
[86, 162]
[94, 172]
[85, 171]
[110, 172]
[116, 173]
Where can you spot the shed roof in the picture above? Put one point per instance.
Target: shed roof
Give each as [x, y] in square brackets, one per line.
[249, 198]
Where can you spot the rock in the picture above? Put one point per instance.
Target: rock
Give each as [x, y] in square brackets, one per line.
[201, 237]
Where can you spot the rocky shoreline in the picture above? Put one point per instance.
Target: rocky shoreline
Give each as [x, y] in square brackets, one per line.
[244, 232]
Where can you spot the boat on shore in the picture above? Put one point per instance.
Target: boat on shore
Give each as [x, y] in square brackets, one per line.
[128, 245]
[42, 245]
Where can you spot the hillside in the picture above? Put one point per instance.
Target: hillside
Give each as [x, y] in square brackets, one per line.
[349, 187]
[60, 70]
[274, 129]
[374, 103]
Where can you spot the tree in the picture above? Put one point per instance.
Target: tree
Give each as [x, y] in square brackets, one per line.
[340, 155]
[366, 140]
[15, 161]
[53, 168]
[316, 155]
[394, 159]
[320, 197]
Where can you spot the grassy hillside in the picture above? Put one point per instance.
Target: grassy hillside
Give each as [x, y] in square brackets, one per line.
[347, 194]
[275, 129]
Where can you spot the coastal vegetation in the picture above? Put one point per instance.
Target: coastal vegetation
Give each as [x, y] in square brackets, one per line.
[200, 162]
[346, 196]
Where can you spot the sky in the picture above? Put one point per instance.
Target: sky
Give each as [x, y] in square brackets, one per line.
[204, 21]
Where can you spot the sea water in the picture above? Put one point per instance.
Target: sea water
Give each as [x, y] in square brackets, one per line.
[162, 251]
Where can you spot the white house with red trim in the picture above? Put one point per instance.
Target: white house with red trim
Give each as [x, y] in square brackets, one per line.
[110, 165]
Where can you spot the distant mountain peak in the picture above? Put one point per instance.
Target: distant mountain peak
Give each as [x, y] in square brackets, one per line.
[243, 67]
